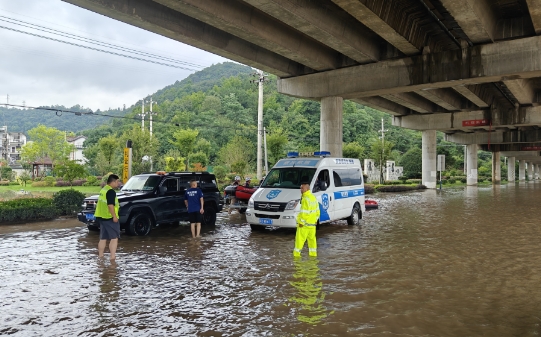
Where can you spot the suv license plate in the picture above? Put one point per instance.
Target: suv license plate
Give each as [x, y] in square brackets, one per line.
[265, 221]
[90, 216]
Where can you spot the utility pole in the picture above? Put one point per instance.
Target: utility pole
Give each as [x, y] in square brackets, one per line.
[266, 157]
[150, 117]
[260, 81]
[143, 115]
[381, 180]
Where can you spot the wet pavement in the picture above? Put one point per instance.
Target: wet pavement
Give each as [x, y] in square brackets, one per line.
[462, 262]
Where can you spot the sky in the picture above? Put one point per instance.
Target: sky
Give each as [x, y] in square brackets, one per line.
[38, 71]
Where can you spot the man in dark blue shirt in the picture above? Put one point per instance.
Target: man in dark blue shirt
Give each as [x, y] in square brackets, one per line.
[193, 198]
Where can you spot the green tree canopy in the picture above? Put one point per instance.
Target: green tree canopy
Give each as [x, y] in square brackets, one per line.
[46, 142]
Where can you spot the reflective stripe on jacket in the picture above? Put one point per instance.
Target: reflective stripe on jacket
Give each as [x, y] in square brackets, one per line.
[102, 211]
[309, 213]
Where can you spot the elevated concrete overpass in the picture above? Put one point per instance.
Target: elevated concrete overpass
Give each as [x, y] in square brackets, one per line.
[469, 68]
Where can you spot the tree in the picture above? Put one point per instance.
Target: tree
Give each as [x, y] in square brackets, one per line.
[185, 143]
[69, 171]
[276, 143]
[142, 145]
[412, 163]
[353, 150]
[23, 178]
[198, 158]
[46, 142]
[5, 170]
[381, 153]
[238, 150]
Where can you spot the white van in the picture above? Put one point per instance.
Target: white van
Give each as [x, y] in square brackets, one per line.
[337, 183]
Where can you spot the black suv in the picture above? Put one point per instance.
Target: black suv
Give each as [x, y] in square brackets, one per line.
[156, 198]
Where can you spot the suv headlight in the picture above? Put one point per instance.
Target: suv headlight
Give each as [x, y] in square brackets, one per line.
[292, 204]
[251, 203]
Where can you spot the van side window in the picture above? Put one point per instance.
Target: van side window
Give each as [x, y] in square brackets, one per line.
[337, 179]
[347, 177]
[323, 176]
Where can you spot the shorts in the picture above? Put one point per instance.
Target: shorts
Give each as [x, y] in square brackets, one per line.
[195, 217]
[109, 230]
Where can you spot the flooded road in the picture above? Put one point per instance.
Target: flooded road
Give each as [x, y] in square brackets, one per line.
[464, 262]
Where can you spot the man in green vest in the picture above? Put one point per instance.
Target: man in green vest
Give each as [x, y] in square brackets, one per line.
[107, 214]
[307, 221]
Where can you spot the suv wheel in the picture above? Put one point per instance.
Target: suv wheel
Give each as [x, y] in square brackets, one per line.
[209, 217]
[93, 228]
[242, 210]
[140, 224]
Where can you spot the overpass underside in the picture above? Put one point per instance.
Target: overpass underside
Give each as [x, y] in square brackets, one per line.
[469, 68]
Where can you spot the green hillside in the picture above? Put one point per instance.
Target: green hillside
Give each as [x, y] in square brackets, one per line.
[217, 109]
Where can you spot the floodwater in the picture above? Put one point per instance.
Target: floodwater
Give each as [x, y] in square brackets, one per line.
[462, 262]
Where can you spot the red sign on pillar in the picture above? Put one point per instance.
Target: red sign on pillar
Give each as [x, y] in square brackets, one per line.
[476, 122]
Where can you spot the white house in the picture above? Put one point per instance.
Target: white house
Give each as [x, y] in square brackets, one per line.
[77, 153]
[10, 144]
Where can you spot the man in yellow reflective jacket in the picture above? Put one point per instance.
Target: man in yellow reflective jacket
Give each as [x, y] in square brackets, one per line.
[107, 214]
[306, 222]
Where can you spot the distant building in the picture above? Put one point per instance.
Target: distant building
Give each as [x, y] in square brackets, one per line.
[11, 144]
[77, 153]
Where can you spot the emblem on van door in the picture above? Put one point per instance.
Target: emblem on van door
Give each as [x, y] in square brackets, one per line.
[273, 194]
[325, 201]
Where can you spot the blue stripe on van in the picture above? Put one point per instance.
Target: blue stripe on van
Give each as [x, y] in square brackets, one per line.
[349, 194]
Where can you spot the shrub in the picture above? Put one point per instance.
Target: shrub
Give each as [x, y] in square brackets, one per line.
[25, 209]
[369, 189]
[463, 180]
[68, 201]
[78, 182]
[399, 188]
[14, 183]
[452, 180]
[38, 184]
[392, 182]
[444, 182]
[49, 181]
[4, 182]
[414, 181]
[91, 181]
[480, 179]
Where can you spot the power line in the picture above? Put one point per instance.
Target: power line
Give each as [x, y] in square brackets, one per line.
[60, 112]
[97, 49]
[96, 42]
[71, 28]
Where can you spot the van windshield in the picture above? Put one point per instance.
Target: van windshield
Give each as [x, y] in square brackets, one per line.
[288, 177]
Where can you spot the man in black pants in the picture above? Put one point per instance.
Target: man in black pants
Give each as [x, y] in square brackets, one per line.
[193, 198]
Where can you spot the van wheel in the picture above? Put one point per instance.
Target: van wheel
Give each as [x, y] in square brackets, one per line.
[140, 224]
[355, 215]
[209, 217]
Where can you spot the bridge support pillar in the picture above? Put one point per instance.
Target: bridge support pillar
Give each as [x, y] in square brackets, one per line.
[521, 170]
[496, 168]
[330, 138]
[536, 171]
[530, 171]
[511, 169]
[429, 159]
[471, 158]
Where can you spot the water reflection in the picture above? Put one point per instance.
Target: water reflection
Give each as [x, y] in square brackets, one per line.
[309, 295]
